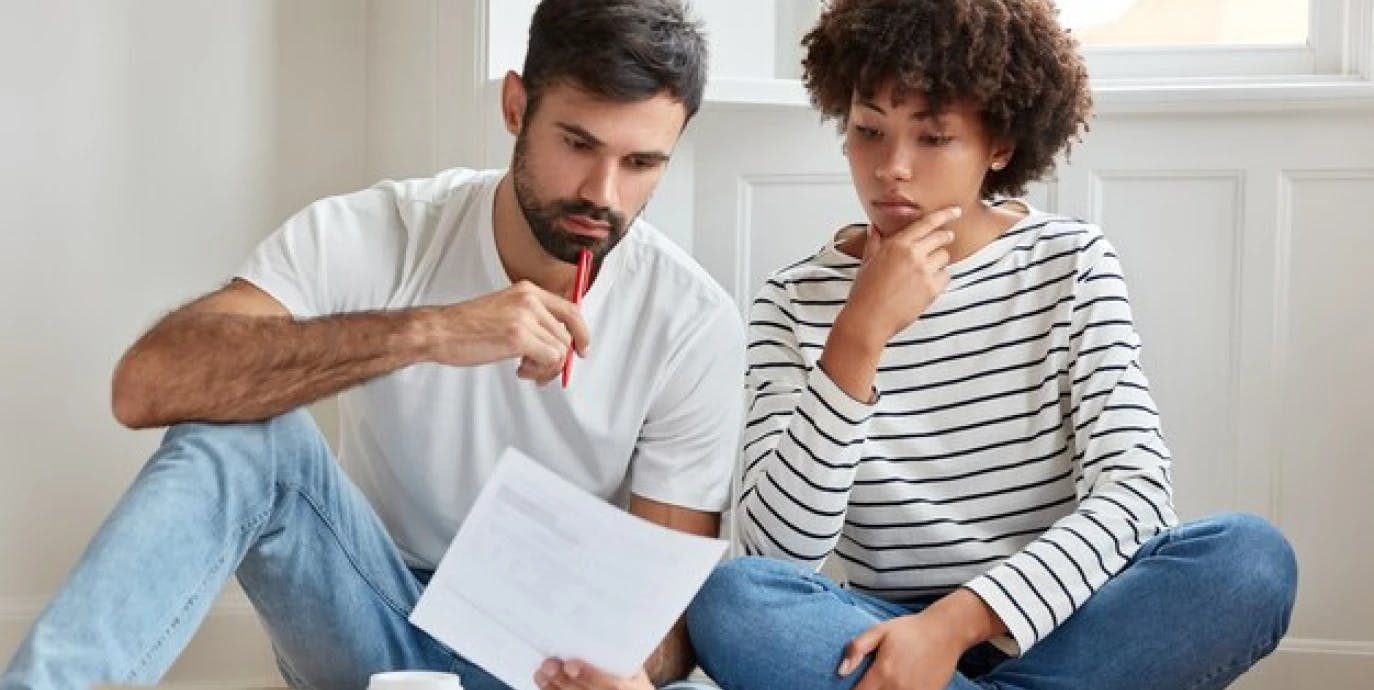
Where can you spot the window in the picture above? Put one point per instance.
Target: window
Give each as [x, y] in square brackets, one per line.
[1187, 22]
[1192, 39]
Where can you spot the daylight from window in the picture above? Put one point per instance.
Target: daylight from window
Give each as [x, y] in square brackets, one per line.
[1186, 22]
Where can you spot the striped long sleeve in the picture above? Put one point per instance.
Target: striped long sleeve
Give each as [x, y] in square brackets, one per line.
[801, 444]
[1014, 448]
[1120, 470]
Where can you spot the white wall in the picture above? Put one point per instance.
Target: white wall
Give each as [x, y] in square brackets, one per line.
[146, 145]
[149, 144]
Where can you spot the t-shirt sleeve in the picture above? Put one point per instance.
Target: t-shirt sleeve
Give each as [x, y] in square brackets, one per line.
[339, 254]
[685, 453]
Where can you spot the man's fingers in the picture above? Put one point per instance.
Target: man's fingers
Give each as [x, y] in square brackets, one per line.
[574, 674]
[568, 314]
[589, 675]
[550, 676]
[543, 348]
[533, 371]
[553, 326]
[539, 373]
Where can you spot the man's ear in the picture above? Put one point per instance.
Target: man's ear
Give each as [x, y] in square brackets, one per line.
[513, 102]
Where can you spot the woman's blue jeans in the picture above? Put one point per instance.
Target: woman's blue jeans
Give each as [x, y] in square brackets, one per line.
[1196, 606]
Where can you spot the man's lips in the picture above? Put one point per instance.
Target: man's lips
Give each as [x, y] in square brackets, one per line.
[587, 227]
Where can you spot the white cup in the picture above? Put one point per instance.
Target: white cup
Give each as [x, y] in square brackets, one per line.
[414, 680]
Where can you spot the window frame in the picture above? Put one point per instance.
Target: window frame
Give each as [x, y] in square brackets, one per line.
[1338, 48]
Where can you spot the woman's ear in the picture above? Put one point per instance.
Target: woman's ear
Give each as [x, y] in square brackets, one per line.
[1001, 155]
[513, 102]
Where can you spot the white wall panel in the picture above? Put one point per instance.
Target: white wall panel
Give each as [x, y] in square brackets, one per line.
[785, 217]
[1179, 234]
[1326, 460]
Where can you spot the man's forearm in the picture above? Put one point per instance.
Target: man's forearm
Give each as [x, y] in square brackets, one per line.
[231, 367]
[673, 659]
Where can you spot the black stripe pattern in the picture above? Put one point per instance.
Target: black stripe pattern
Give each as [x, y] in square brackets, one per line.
[1014, 448]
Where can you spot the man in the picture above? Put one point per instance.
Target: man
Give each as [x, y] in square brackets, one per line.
[436, 308]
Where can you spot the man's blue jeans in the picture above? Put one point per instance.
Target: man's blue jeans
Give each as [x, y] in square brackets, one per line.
[266, 501]
[1197, 606]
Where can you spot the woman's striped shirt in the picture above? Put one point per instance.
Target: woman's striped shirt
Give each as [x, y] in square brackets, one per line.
[1013, 448]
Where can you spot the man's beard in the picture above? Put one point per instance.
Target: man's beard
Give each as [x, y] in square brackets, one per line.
[542, 216]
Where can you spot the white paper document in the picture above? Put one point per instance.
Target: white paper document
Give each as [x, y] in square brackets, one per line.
[541, 568]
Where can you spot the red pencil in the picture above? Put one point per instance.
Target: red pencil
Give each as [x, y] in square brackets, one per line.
[584, 276]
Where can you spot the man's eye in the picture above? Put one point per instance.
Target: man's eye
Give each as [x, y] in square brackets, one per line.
[576, 144]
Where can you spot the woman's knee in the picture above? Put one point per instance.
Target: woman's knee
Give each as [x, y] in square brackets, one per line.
[742, 621]
[1254, 563]
[730, 587]
[736, 597]
[749, 581]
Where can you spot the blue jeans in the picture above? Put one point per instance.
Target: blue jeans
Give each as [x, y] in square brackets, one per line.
[1197, 606]
[265, 501]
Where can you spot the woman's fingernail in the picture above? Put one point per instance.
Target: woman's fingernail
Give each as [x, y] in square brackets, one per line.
[845, 667]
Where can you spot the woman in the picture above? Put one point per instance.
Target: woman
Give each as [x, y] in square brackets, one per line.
[949, 400]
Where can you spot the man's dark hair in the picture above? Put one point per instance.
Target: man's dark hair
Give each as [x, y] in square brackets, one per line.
[1010, 58]
[625, 50]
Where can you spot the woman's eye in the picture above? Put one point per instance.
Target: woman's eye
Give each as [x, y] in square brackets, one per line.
[867, 132]
[935, 139]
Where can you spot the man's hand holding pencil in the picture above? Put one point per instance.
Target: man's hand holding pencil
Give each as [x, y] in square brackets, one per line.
[523, 321]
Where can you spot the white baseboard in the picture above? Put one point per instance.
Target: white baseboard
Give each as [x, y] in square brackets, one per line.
[1313, 663]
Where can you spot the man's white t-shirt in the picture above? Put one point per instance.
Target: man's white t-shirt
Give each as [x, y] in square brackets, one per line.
[654, 408]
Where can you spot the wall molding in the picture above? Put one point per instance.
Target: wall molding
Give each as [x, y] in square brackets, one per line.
[1225, 475]
[745, 185]
[1304, 645]
[1281, 309]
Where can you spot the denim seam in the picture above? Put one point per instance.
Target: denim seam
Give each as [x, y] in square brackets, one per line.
[400, 610]
[348, 554]
[199, 590]
[1256, 653]
[289, 674]
[176, 622]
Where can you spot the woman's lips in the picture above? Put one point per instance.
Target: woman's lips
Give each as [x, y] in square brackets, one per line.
[895, 215]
